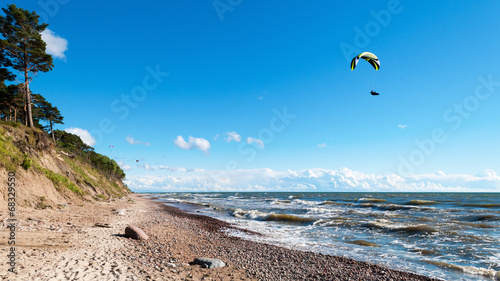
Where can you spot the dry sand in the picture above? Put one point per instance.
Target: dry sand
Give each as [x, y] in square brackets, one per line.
[65, 244]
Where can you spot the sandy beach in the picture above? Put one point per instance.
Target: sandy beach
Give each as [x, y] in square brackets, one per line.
[87, 242]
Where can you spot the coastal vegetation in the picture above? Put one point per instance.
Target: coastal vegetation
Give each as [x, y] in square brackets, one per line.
[29, 143]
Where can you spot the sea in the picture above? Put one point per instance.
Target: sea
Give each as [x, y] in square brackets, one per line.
[449, 236]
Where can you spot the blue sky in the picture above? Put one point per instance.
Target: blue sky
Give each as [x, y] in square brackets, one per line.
[278, 73]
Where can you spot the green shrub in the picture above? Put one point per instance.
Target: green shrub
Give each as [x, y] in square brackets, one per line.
[12, 124]
[71, 186]
[26, 162]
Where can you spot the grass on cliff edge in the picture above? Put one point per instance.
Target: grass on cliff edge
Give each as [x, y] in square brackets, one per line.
[85, 174]
[60, 181]
[11, 158]
[10, 155]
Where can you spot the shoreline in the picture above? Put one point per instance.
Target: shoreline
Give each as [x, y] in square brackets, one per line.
[270, 262]
[66, 244]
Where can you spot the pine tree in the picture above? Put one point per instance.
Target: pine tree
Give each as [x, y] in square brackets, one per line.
[24, 48]
[11, 101]
[46, 112]
[5, 74]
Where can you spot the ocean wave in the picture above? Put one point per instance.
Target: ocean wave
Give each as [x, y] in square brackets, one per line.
[205, 195]
[288, 218]
[396, 207]
[336, 221]
[475, 225]
[327, 202]
[481, 218]
[278, 201]
[363, 243]
[467, 269]
[407, 228]
[388, 207]
[263, 216]
[323, 212]
[421, 202]
[486, 205]
[372, 200]
[425, 252]
[305, 202]
[252, 214]
[169, 199]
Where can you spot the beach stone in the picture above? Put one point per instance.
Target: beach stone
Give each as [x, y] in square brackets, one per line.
[135, 233]
[209, 262]
[121, 212]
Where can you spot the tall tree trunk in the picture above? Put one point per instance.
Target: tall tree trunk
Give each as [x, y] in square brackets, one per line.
[52, 130]
[25, 112]
[28, 98]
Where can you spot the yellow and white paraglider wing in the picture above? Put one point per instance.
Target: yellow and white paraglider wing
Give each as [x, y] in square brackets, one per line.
[369, 57]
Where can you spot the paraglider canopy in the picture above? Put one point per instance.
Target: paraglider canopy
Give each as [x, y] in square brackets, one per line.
[369, 57]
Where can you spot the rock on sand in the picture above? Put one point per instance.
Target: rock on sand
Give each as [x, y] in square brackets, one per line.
[208, 262]
[135, 233]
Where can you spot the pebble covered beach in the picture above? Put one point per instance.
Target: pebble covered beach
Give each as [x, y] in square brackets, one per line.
[88, 242]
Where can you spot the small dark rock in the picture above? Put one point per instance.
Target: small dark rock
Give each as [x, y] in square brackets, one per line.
[208, 262]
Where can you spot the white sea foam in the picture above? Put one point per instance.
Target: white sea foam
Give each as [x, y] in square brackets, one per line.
[305, 202]
[322, 211]
[251, 214]
[468, 269]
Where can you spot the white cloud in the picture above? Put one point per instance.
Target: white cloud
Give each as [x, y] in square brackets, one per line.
[232, 136]
[258, 142]
[199, 143]
[124, 166]
[131, 140]
[86, 137]
[487, 174]
[314, 180]
[402, 126]
[165, 168]
[322, 144]
[181, 143]
[56, 45]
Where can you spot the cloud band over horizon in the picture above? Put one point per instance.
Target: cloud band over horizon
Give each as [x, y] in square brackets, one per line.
[313, 180]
